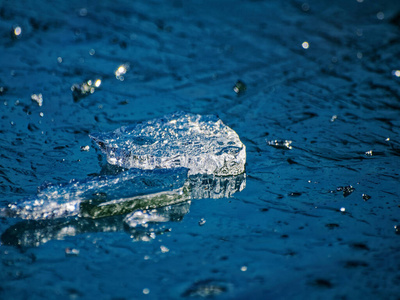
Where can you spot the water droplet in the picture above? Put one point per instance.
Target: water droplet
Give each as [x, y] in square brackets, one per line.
[305, 7]
[305, 45]
[122, 69]
[38, 98]
[164, 249]
[380, 15]
[366, 197]
[396, 73]
[239, 87]
[83, 12]
[71, 252]
[84, 89]
[347, 190]
[284, 144]
[16, 32]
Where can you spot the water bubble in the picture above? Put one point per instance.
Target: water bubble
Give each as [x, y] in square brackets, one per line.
[83, 12]
[202, 222]
[243, 268]
[85, 148]
[368, 153]
[380, 15]
[305, 7]
[334, 117]
[397, 229]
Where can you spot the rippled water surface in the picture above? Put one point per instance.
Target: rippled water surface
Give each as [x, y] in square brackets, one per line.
[315, 218]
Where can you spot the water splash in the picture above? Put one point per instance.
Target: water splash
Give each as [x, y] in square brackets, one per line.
[202, 144]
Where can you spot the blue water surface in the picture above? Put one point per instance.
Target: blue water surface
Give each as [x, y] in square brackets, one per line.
[316, 221]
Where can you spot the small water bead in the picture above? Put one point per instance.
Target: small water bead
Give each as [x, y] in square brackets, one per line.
[305, 7]
[164, 249]
[84, 89]
[71, 252]
[239, 87]
[366, 197]
[347, 190]
[146, 291]
[121, 71]
[16, 32]
[280, 144]
[396, 73]
[38, 98]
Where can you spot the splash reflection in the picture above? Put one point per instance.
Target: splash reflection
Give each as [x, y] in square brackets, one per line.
[141, 216]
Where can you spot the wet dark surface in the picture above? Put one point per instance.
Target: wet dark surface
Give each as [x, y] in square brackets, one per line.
[302, 228]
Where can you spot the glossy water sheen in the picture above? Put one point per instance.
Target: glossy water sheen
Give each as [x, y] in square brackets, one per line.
[316, 218]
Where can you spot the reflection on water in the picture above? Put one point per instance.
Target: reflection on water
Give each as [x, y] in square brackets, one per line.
[133, 214]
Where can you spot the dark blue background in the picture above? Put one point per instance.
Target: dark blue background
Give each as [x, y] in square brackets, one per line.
[285, 226]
